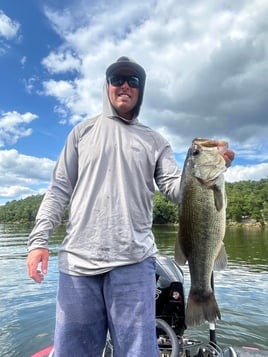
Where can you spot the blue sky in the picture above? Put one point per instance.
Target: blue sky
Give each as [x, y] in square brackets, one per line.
[207, 76]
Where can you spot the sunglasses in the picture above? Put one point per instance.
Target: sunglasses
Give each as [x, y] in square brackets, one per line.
[118, 80]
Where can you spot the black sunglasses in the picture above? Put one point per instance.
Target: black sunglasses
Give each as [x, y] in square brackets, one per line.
[118, 80]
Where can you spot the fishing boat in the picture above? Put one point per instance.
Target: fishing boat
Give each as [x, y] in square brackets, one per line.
[170, 321]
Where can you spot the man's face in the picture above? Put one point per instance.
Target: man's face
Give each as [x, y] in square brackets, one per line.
[123, 98]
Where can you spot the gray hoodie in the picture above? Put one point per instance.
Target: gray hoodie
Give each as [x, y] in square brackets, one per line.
[106, 173]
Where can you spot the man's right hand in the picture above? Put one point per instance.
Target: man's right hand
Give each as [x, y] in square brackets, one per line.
[36, 257]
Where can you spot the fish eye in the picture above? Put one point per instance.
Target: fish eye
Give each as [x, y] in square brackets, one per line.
[195, 152]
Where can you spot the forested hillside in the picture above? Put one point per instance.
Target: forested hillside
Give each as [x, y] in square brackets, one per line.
[246, 200]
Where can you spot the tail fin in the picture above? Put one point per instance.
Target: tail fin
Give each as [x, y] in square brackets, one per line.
[201, 308]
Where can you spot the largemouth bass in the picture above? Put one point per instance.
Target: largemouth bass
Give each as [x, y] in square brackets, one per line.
[202, 215]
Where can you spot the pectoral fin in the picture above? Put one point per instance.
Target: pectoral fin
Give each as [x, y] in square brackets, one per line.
[179, 255]
[219, 198]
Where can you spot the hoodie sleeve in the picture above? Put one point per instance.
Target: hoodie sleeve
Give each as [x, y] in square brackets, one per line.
[168, 174]
[58, 195]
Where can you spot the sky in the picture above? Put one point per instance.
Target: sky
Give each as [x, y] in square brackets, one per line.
[207, 76]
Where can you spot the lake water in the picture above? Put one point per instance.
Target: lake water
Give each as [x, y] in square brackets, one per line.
[27, 309]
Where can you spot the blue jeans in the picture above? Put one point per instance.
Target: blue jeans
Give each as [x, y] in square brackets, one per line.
[122, 300]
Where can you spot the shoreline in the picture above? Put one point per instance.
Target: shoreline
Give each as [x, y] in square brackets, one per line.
[250, 224]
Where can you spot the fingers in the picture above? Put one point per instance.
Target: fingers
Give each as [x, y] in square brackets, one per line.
[36, 258]
[228, 157]
[44, 265]
[230, 154]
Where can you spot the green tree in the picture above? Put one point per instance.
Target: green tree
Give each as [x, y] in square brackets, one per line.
[246, 200]
[164, 211]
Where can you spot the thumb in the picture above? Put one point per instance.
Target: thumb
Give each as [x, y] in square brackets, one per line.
[44, 263]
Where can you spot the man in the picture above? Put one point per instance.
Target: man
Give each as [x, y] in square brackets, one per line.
[106, 173]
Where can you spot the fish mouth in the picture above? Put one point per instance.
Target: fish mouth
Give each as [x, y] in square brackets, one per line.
[210, 143]
[209, 170]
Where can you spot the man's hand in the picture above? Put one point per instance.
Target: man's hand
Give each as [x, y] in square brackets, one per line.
[228, 157]
[36, 257]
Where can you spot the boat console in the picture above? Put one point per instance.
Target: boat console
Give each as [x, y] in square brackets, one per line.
[170, 317]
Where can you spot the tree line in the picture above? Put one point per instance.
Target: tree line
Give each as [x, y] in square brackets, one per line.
[247, 200]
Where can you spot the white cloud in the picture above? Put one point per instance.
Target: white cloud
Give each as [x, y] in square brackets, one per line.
[30, 84]
[25, 167]
[77, 98]
[16, 191]
[23, 60]
[8, 28]
[248, 172]
[206, 64]
[62, 90]
[13, 126]
[61, 62]
[23, 175]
